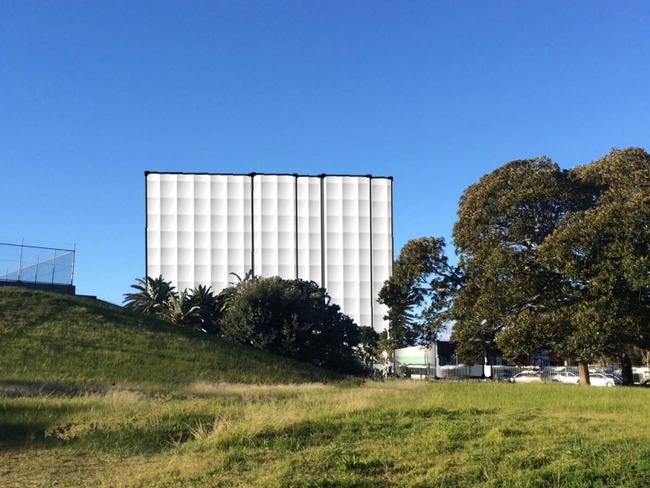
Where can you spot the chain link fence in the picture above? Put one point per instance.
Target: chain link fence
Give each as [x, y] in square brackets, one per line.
[20, 263]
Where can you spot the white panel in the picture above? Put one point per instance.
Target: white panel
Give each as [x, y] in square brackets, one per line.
[202, 234]
[382, 244]
[347, 244]
[185, 236]
[361, 279]
[275, 225]
[154, 245]
[167, 220]
[333, 239]
[198, 228]
[230, 229]
[309, 229]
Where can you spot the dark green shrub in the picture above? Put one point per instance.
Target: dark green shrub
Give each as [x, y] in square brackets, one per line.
[208, 308]
[293, 318]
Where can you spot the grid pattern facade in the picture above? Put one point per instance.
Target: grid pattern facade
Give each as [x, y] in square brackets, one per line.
[334, 230]
[382, 241]
[347, 244]
[198, 228]
[274, 219]
[309, 228]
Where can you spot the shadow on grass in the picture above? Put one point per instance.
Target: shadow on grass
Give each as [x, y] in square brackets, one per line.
[27, 424]
[25, 388]
[363, 424]
[43, 424]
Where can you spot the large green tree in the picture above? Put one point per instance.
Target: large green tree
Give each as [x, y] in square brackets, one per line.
[419, 292]
[556, 260]
[509, 295]
[603, 254]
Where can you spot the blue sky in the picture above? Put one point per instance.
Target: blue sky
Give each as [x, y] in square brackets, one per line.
[433, 93]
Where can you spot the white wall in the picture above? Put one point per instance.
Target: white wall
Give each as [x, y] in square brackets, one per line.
[199, 230]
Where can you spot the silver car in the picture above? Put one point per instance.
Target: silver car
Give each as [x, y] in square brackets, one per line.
[527, 377]
[600, 379]
[566, 377]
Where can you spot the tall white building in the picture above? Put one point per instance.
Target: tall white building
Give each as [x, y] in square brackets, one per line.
[335, 230]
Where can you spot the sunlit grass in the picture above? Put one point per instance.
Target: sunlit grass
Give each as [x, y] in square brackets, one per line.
[378, 434]
[72, 343]
[91, 395]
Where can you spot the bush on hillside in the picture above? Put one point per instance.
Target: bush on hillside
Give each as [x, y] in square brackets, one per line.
[150, 297]
[180, 310]
[208, 308]
[292, 318]
[196, 308]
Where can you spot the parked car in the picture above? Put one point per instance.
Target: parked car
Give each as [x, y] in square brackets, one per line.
[618, 379]
[527, 377]
[566, 377]
[645, 378]
[500, 374]
[641, 376]
[600, 379]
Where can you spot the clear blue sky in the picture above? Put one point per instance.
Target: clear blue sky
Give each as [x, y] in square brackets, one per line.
[433, 93]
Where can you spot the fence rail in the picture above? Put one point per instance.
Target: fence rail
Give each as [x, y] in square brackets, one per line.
[495, 373]
[21, 263]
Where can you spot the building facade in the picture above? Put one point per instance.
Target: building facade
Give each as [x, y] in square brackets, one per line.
[335, 230]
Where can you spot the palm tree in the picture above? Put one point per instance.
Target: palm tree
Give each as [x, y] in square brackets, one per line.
[249, 276]
[181, 311]
[151, 296]
[208, 307]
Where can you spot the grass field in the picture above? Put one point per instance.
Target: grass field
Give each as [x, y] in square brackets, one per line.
[314, 435]
[92, 396]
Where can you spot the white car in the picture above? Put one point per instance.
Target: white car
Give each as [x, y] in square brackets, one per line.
[599, 379]
[566, 377]
[527, 377]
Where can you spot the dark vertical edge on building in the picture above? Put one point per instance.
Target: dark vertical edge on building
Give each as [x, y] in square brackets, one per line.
[295, 211]
[252, 176]
[146, 227]
[372, 283]
[322, 230]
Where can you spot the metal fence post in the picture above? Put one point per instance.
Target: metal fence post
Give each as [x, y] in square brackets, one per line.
[74, 256]
[53, 266]
[20, 263]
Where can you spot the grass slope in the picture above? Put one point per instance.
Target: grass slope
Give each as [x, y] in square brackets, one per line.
[51, 338]
[169, 429]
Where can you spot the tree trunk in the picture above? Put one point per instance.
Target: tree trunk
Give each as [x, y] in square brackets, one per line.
[626, 367]
[583, 372]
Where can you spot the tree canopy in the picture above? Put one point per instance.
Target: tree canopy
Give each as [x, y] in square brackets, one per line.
[419, 291]
[548, 260]
[555, 260]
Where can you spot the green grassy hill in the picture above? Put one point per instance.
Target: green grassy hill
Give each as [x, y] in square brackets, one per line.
[168, 428]
[51, 338]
